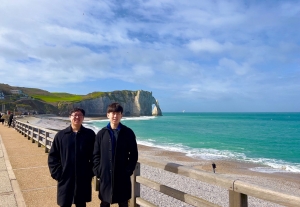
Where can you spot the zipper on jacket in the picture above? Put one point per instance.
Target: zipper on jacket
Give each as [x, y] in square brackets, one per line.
[113, 169]
[75, 166]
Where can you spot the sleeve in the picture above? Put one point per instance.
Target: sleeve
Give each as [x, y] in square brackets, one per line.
[54, 160]
[133, 154]
[93, 135]
[97, 155]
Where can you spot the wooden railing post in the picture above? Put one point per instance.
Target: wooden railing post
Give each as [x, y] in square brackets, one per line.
[38, 137]
[46, 137]
[16, 125]
[135, 187]
[237, 199]
[27, 132]
[32, 135]
[22, 130]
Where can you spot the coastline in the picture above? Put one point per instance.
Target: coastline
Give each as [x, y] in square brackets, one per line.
[236, 169]
[286, 182]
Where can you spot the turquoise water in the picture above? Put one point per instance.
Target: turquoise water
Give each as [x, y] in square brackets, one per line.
[267, 138]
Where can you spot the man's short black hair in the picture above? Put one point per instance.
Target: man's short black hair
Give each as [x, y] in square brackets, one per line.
[77, 109]
[115, 107]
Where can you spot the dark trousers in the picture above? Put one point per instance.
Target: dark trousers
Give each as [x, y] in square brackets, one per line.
[77, 205]
[122, 204]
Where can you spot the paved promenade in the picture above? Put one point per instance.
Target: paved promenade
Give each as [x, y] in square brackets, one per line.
[10, 194]
[24, 174]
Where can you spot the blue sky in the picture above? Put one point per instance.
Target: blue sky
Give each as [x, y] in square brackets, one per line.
[196, 55]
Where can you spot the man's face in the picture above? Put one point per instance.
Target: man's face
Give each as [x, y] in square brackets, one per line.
[76, 118]
[114, 117]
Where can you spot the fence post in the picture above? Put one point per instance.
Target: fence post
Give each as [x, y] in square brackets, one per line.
[23, 130]
[237, 199]
[32, 135]
[135, 187]
[16, 125]
[27, 132]
[46, 136]
[38, 137]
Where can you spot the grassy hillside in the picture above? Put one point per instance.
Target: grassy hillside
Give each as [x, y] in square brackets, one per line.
[58, 97]
[66, 97]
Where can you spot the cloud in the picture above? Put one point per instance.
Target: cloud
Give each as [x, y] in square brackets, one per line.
[231, 65]
[208, 45]
[204, 49]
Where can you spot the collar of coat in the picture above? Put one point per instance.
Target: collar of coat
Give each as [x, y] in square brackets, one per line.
[70, 130]
[109, 127]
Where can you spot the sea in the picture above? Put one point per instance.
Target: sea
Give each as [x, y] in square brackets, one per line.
[268, 139]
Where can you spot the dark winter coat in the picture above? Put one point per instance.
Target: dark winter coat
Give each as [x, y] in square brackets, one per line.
[70, 163]
[11, 116]
[115, 171]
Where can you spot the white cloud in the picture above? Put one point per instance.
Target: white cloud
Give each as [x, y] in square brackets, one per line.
[143, 71]
[207, 45]
[231, 65]
[208, 48]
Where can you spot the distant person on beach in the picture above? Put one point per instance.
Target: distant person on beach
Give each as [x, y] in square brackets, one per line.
[70, 162]
[214, 166]
[2, 118]
[11, 116]
[115, 158]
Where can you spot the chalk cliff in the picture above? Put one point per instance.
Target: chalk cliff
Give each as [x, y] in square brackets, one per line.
[156, 110]
[135, 103]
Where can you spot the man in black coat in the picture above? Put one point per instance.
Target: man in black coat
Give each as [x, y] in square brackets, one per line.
[115, 158]
[11, 116]
[70, 162]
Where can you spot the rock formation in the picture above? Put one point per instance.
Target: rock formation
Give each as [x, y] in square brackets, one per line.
[135, 103]
[156, 110]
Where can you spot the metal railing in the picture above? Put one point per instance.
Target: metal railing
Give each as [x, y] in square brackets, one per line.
[238, 190]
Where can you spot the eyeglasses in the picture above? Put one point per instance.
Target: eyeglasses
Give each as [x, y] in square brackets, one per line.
[77, 115]
[115, 113]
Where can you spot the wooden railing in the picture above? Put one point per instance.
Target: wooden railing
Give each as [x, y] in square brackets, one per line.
[238, 190]
[43, 137]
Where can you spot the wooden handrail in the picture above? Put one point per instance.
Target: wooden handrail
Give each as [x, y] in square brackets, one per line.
[238, 190]
[36, 134]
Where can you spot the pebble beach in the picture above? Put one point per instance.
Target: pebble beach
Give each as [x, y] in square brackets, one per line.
[286, 182]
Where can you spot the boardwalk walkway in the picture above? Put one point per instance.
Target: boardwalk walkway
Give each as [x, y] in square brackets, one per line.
[24, 174]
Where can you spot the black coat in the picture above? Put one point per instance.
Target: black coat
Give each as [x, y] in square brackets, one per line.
[114, 174]
[70, 163]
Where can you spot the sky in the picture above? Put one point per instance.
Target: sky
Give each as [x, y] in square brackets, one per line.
[195, 55]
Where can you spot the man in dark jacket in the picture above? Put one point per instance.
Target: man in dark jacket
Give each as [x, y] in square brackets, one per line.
[115, 158]
[70, 162]
[10, 119]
